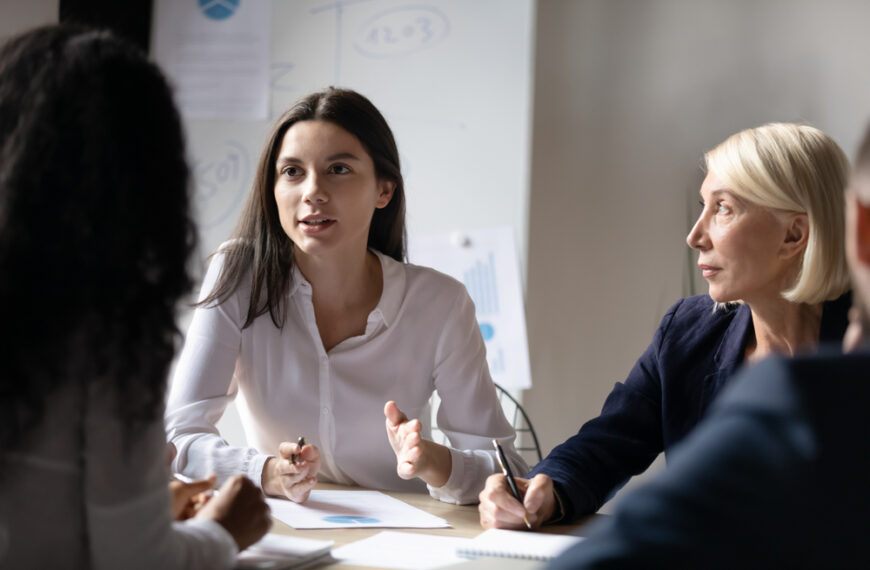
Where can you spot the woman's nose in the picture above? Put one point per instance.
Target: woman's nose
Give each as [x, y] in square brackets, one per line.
[697, 238]
[314, 191]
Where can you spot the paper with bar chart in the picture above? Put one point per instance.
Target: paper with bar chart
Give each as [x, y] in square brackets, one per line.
[486, 262]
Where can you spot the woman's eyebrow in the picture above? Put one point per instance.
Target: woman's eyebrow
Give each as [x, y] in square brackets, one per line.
[342, 156]
[282, 160]
[721, 191]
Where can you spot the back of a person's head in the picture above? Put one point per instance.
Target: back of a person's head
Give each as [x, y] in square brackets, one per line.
[94, 225]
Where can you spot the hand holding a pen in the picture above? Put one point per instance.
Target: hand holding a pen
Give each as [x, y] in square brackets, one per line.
[499, 509]
[189, 496]
[186, 495]
[239, 506]
[293, 473]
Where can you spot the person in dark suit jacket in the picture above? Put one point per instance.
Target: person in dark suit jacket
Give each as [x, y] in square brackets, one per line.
[770, 245]
[777, 476]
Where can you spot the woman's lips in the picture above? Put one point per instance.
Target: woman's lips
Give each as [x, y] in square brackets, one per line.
[315, 225]
[708, 270]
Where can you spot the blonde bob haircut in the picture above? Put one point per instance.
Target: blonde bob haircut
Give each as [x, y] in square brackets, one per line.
[794, 168]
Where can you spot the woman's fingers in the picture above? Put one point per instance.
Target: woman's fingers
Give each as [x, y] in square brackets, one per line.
[298, 490]
[171, 453]
[187, 497]
[279, 474]
[311, 454]
[393, 414]
[294, 472]
[415, 456]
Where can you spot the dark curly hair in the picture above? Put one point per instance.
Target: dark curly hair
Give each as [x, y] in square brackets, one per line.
[95, 231]
[261, 249]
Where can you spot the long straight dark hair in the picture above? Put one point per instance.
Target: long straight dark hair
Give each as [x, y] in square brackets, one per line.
[260, 245]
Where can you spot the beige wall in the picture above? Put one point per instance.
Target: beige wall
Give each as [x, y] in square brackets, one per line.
[19, 15]
[628, 96]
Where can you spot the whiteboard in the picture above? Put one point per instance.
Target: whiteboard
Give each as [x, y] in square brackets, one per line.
[452, 78]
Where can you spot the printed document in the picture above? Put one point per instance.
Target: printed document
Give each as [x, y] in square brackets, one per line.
[352, 509]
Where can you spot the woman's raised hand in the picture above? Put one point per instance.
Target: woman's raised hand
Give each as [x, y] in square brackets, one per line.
[415, 456]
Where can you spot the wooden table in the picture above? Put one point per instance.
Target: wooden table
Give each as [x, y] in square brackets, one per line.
[463, 518]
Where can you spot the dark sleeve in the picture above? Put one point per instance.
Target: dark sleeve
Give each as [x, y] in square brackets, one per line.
[732, 481]
[619, 443]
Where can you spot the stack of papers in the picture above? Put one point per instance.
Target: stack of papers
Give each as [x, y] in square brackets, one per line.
[352, 509]
[275, 551]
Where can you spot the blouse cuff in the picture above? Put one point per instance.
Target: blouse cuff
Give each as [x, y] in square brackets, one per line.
[451, 491]
[225, 547]
[254, 469]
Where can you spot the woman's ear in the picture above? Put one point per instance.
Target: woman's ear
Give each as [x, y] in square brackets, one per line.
[797, 233]
[386, 188]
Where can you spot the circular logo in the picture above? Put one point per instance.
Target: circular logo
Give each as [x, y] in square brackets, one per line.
[219, 9]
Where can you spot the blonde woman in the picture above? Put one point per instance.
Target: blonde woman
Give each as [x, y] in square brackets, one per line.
[770, 245]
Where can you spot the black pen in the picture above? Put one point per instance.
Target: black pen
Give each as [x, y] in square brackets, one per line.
[301, 443]
[505, 468]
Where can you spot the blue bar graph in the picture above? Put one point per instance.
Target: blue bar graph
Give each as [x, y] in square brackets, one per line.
[496, 362]
[481, 283]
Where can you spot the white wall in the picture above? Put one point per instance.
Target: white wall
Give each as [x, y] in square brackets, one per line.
[629, 94]
[459, 105]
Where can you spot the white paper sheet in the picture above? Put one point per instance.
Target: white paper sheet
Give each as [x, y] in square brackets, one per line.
[517, 544]
[279, 551]
[352, 509]
[485, 261]
[217, 54]
[404, 550]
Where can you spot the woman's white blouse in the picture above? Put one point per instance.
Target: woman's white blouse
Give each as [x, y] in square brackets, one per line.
[87, 492]
[421, 337]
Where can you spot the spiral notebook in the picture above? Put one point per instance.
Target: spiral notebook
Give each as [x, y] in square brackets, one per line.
[517, 544]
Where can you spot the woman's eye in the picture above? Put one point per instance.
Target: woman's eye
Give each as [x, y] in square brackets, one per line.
[291, 171]
[721, 208]
[339, 169]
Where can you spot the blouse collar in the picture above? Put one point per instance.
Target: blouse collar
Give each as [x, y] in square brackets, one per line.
[392, 293]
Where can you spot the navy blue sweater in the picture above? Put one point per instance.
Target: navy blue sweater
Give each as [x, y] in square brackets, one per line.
[694, 353]
[775, 477]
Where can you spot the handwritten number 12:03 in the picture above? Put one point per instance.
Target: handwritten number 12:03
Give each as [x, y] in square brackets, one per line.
[401, 31]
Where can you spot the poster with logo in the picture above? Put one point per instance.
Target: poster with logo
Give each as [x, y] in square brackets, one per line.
[217, 56]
